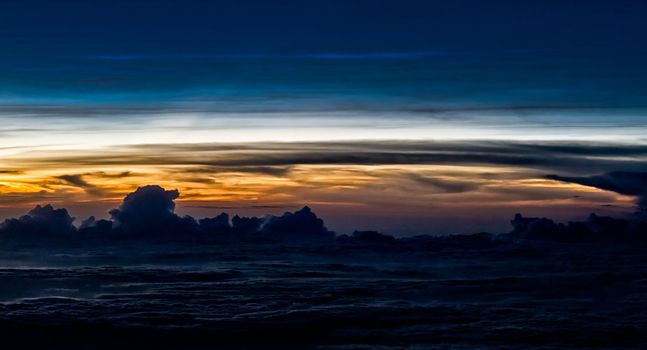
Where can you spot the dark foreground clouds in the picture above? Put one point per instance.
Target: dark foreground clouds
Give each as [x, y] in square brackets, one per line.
[150, 210]
[43, 223]
[148, 214]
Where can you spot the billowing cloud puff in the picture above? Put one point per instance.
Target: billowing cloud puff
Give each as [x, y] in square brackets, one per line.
[595, 228]
[216, 225]
[150, 210]
[147, 204]
[91, 227]
[245, 225]
[302, 224]
[40, 223]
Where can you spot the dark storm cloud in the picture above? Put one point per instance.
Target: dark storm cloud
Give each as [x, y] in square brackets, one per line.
[623, 182]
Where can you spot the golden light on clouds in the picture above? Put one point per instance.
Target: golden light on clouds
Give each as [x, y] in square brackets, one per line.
[442, 180]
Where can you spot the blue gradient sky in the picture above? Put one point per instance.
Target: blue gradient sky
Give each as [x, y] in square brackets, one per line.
[94, 89]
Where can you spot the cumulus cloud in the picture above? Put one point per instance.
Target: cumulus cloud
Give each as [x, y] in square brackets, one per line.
[299, 224]
[216, 225]
[245, 225]
[91, 227]
[40, 223]
[150, 210]
[594, 228]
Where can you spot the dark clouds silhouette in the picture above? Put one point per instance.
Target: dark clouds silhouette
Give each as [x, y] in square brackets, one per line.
[594, 228]
[622, 182]
[43, 223]
[91, 227]
[148, 213]
[150, 210]
[216, 225]
[246, 225]
[302, 224]
[366, 237]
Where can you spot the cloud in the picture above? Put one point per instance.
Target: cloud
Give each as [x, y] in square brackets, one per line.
[367, 237]
[148, 214]
[302, 224]
[74, 180]
[245, 225]
[443, 185]
[119, 175]
[216, 225]
[622, 182]
[43, 223]
[79, 181]
[91, 227]
[277, 158]
[265, 170]
[594, 228]
[236, 206]
[150, 210]
[10, 171]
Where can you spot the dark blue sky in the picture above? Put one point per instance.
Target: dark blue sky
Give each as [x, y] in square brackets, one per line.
[192, 26]
[439, 52]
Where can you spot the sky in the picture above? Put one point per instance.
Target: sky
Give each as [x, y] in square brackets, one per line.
[407, 117]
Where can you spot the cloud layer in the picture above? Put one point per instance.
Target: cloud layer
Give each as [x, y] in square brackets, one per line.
[424, 177]
[148, 214]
